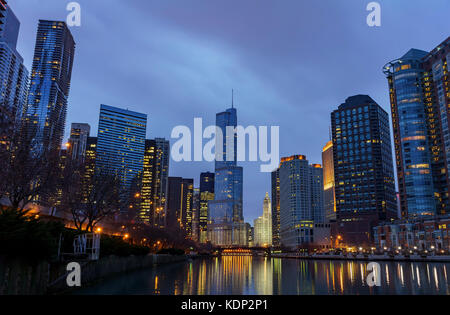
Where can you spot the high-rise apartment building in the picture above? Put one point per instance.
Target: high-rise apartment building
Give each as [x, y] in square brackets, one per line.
[329, 196]
[263, 225]
[275, 176]
[226, 222]
[154, 187]
[363, 168]
[79, 134]
[121, 143]
[50, 83]
[89, 164]
[206, 195]
[420, 100]
[13, 74]
[300, 200]
[179, 204]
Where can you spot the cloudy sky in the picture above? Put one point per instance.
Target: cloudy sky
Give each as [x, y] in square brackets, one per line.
[290, 62]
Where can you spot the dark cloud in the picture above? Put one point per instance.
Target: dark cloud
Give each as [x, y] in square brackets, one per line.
[290, 62]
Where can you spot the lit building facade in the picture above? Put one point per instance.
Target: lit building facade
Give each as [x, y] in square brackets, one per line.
[13, 74]
[275, 179]
[79, 134]
[419, 95]
[50, 83]
[206, 195]
[418, 234]
[316, 184]
[263, 225]
[121, 144]
[89, 164]
[180, 203]
[298, 202]
[363, 168]
[329, 196]
[155, 181]
[226, 225]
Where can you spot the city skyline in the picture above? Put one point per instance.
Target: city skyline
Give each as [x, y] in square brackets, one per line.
[363, 77]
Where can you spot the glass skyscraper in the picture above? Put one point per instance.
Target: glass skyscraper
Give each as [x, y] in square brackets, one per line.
[50, 83]
[121, 143]
[226, 222]
[154, 189]
[301, 201]
[275, 180]
[13, 74]
[363, 168]
[79, 134]
[418, 86]
[329, 196]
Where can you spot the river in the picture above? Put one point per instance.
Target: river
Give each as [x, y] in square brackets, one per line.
[236, 275]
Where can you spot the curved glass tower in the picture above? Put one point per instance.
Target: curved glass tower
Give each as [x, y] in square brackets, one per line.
[412, 146]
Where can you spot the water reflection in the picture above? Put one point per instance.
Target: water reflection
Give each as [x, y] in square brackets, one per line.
[247, 275]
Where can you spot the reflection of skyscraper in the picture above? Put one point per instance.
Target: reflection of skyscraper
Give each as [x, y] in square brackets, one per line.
[13, 74]
[226, 222]
[79, 134]
[418, 85]
[206, 195]
[263, 225]
[50, 83]
[329, 196]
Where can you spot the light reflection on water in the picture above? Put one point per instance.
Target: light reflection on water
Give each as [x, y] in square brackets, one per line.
[248, 275]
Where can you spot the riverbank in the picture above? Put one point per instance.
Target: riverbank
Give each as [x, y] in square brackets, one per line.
[18, 277]
[397, 258]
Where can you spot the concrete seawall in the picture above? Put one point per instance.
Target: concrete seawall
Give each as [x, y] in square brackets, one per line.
[22, 278]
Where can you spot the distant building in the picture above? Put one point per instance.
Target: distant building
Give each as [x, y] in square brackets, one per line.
[263, 225]
[329, 195]
[363, 169]
[299, 202]
[179, 206]
[79, 134]
[316, 184]
[250, 235]
[155, 182]
[195, 235]
[418, 86]
[276, 208]
[50, 83]
[121, 144]
[13, 74]
[206, 195]
[89, 164]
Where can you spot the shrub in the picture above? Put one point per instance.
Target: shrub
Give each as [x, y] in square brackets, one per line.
[113, 245]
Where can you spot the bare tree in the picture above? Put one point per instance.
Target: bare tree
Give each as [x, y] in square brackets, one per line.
[90, 199]
[27, 171]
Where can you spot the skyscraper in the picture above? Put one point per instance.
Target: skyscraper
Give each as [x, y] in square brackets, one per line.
[226, 222]
[13, 74]
[276, 207]
[155, 182]
[206, 195]
[363, 168]
[50, 83]
[418, 86]
[121, 143]
[79, 134]
[89, 164]
[263, 225]
[329, 196]
[179, 204]
[300, 200]
[195, 234]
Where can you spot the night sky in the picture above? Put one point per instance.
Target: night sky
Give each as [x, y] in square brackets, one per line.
[290, 63]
